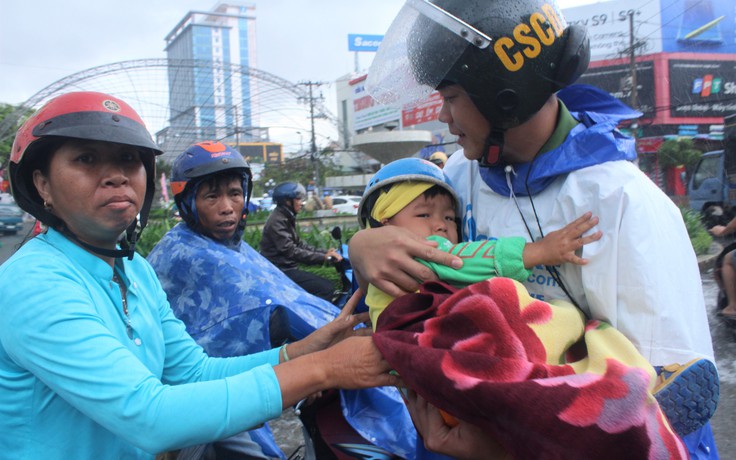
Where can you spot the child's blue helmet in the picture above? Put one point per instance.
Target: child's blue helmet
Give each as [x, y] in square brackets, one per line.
[403, 170]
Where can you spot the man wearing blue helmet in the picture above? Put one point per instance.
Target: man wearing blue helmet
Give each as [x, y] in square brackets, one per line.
[221, 288]
[282, 246]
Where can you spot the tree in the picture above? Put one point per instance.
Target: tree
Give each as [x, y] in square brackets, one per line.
[676, 152]
[7, 143]
[299, 169]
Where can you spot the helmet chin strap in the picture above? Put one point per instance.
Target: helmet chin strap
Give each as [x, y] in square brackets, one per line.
[492, 149]
[290, 206]
[127, 248]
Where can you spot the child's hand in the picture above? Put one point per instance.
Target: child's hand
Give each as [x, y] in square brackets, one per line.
[559, 246]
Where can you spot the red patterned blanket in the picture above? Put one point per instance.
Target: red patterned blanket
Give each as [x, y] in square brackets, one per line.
[538, 377]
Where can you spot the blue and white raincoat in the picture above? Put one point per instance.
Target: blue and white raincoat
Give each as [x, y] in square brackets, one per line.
[225, 295]
[642, 276]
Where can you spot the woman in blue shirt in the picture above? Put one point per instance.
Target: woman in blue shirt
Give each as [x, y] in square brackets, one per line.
[93, 364]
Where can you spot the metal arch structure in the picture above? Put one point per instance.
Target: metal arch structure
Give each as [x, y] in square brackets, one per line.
[144, 84]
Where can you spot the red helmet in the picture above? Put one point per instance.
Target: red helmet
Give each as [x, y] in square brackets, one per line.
[79, 115]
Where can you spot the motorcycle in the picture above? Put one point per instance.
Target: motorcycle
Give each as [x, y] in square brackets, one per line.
[344, 270]
[342, 424]
[285, 325]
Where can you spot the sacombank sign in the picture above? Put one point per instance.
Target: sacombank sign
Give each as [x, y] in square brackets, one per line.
[358, 42]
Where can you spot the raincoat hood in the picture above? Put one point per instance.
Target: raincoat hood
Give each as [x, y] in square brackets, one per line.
[593, 141]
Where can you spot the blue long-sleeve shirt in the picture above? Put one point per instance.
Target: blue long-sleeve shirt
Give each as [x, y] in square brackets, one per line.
[74, 384]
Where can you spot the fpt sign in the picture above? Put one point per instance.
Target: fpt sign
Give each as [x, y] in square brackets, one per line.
[702, 88]
[358, 42]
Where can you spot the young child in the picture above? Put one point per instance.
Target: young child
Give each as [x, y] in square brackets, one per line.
[415, 194]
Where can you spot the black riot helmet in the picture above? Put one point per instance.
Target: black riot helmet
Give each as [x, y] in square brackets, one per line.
[509, 56]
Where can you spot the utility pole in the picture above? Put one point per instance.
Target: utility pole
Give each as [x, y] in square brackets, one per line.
[312, 101]
[237, 129]
[632, 62]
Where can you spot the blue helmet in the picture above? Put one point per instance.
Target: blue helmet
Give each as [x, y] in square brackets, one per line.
[288, 191]
[405, 169]
[198, 162]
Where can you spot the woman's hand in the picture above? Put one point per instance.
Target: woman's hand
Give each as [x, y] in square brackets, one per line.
[464, 441]
[353, 363]
[333, 332]
[385, 257]
[333, 356]
[559, 246]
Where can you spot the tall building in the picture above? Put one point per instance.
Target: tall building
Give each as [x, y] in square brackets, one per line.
[210, 99]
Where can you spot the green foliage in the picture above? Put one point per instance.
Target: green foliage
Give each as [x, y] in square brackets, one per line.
[163, 167]
[160, 221]
[7, 143]
[252, 236]
[699, 236]
[675, 152]
[299, 169]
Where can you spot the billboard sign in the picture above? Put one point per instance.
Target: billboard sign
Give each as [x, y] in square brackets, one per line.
[262, 152]
[423, 112]
[608, 26]
[702, 88]
[367, 112]
[359, 42]
[700, 26]
[617, 81]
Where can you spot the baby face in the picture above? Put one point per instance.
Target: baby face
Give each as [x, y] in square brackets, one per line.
[428, 216]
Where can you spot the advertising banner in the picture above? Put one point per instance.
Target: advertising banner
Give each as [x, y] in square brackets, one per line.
[617, 80]
[609, 29]
[702, 88]
[699, 26]
[262, 152]
[424, 112]
[367, 112]
[358, 42]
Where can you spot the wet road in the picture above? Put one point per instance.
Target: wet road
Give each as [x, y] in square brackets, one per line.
[724, 345]
[9, 243]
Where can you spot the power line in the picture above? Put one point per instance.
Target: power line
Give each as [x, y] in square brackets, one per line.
[313, 100]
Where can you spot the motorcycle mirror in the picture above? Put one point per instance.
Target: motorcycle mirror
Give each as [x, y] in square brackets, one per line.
[337, 233]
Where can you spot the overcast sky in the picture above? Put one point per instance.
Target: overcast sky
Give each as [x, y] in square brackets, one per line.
[42, 41]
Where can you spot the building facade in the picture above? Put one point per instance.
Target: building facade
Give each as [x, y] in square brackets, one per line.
[211, 99]
[680, 55]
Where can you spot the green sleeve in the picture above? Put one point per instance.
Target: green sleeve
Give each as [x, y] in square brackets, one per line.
[482, 260]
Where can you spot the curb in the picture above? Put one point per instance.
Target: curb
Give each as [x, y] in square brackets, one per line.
[707, 261]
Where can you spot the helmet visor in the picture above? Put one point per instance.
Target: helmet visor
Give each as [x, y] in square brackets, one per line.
[419, 49]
